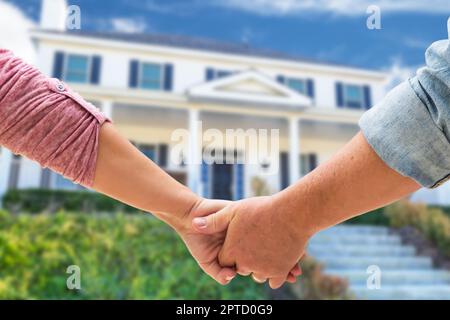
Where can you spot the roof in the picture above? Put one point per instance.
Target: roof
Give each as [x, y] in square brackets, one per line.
[194, 43]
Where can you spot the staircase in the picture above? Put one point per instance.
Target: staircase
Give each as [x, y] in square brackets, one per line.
[347, 251]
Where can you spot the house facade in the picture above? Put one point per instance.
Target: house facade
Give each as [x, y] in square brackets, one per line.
[153, 86]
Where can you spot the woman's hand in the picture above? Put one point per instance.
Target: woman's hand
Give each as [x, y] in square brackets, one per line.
[205, 248]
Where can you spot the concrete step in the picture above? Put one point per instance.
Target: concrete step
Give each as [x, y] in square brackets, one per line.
[361, 239]
[384, 263]
[323, 251]
[355, 229]
[403, 292]
[396, 277]
[347, 251]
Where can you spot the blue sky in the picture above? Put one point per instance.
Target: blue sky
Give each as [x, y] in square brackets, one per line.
[329, 30]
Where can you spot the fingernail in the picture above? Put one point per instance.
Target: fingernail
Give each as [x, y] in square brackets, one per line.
[200, 222]
[229, 278]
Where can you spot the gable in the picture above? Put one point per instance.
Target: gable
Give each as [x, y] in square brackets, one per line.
[249, 87]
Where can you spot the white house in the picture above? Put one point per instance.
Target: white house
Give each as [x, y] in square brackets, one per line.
[152, 84]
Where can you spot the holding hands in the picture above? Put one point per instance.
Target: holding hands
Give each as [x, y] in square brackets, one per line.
[267, 236]
[254, 236]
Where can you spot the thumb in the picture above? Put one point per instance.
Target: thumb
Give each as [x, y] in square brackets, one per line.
[215, 222]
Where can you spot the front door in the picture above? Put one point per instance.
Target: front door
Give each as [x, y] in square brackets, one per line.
[222, 181]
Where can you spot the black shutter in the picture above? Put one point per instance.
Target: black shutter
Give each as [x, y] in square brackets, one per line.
[58, 65]
[96, 67]
[134, 73]
[168, 77]
[162, 155]
[281, 79]
[367, 97]
[312, 161]
[209, 74]
[310, 88]
[339, 94]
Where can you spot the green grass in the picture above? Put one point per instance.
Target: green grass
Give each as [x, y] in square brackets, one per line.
[131, 256]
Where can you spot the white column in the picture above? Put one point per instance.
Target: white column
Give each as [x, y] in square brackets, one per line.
[107, 108]
[194, 156]
[294, 149]
[6, 157]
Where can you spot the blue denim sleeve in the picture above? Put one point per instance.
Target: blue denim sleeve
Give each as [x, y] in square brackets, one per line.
[410, 128]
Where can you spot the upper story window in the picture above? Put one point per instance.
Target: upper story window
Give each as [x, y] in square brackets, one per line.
[353, 96]
[303, 86]
[150, 76]
[298, 85]
[212, 73]
[77, 68]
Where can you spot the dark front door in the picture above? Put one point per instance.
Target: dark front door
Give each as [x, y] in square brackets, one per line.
[222, 181]
[284, 169]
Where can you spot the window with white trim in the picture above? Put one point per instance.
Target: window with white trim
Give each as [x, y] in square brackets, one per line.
[77, 68]
[353, 96]
[296, 84]
[151, 76]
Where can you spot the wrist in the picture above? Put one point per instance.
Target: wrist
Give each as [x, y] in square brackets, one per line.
[299, 210]
[178, 216]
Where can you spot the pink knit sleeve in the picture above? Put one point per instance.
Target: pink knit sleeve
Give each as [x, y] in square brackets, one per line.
[44, 120]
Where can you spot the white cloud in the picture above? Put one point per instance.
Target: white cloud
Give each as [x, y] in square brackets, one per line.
[128, 25]
[14, 32]
[399, 72]
[416, 43]
[341, 7]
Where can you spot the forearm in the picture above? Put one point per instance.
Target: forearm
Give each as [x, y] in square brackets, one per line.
[124, 173]
[351, 183]
[44, 120]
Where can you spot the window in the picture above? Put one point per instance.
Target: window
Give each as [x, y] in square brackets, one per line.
[212, 74]
[353, 96]
[308, 162]
[298, 85]
[302, 86]
[151, 76]
[13, 182]
[62, 183]
[46, 176]
[77, 69]
[149, 151]
[158, 153]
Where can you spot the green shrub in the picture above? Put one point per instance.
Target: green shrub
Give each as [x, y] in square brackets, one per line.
[376, 217]
[315, 285]
[120, 256]
[403, 213]
[42, 200]
[432, 222]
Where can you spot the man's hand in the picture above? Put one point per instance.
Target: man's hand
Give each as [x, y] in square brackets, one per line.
[261, 239]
